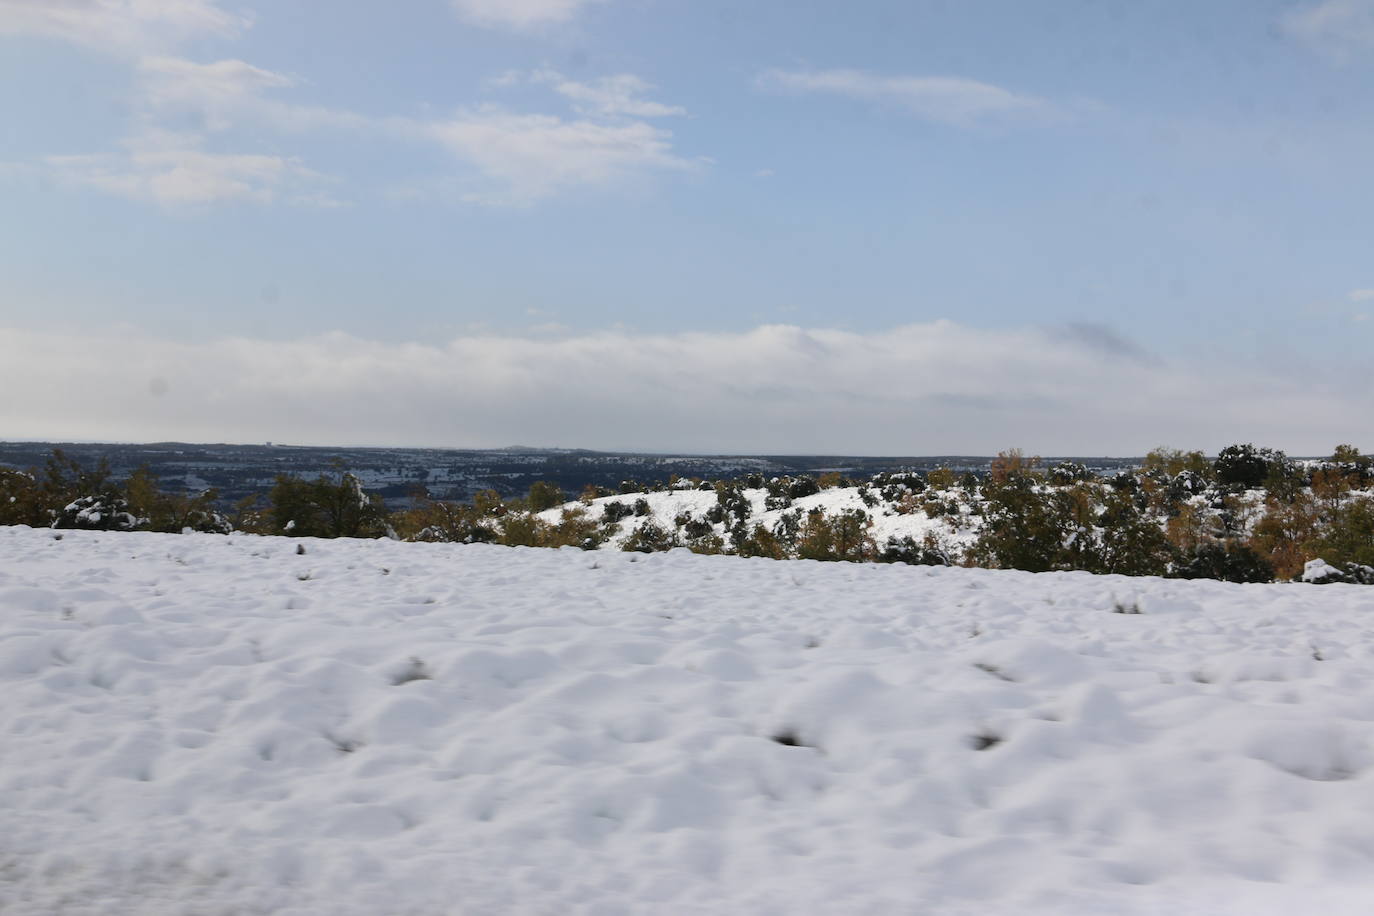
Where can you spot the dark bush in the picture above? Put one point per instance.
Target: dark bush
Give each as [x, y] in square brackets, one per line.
[1228, 560]
[774, 503]
[1124, 481]
[649, 538]
[325, 508]
[697, 528]
[730, 499]
[19, 500]
[1021, 529]
[1245, 466]
[907, 549]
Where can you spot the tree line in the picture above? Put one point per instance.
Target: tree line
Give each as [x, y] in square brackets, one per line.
[1248, 515]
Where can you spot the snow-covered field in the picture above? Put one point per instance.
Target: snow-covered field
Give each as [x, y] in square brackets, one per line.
[196, 724]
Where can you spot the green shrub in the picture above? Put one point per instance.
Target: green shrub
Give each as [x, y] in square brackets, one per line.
[842, 536]
[325, 508]
[545, 495]
[649, 537]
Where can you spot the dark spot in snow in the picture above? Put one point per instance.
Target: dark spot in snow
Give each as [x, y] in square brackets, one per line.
[300, 550]
[993, 670]
[416, 671]
[1119, 607]
[343, 745]
[984, 740]
[788, 737]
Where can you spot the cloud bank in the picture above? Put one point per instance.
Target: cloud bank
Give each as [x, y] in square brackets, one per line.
[937, 388]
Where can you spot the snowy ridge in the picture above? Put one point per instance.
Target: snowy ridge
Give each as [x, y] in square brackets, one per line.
[888, 524]
[197, 724]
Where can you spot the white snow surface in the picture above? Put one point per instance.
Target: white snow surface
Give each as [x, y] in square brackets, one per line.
[200, 724]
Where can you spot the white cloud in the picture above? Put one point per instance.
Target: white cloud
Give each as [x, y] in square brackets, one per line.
[526, 157]
[920, 389]
[518, 158]
[514, 158]
[172, 167]
[609, 96]
[173, 170]
[947, 99]
[1361, 295]
[226, 93]
[216, 90]
[1340, 28]
[522, 157]
[119, 25]
[173, 80]
[519, 14]
[511, 158]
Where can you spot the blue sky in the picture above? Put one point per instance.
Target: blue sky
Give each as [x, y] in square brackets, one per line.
[1159, 191]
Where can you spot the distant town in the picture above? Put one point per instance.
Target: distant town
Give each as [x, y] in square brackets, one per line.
[399, 475]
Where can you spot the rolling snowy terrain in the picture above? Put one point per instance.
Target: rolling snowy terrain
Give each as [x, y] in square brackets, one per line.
[199, 724]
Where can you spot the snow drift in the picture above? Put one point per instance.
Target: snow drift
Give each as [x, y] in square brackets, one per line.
[215, 725]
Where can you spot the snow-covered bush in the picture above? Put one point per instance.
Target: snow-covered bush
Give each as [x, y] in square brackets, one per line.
[732, 502]
[101, 512]
[1319, 572]
[1068, 472]
[906, 549]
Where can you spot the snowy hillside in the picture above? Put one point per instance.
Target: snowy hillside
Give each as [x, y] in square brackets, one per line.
[197, 724]
[668, 508]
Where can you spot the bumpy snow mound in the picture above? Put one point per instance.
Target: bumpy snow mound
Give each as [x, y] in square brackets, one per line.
[195, 724]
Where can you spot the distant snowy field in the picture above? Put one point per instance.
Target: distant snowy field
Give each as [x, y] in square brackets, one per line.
[196, 724]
